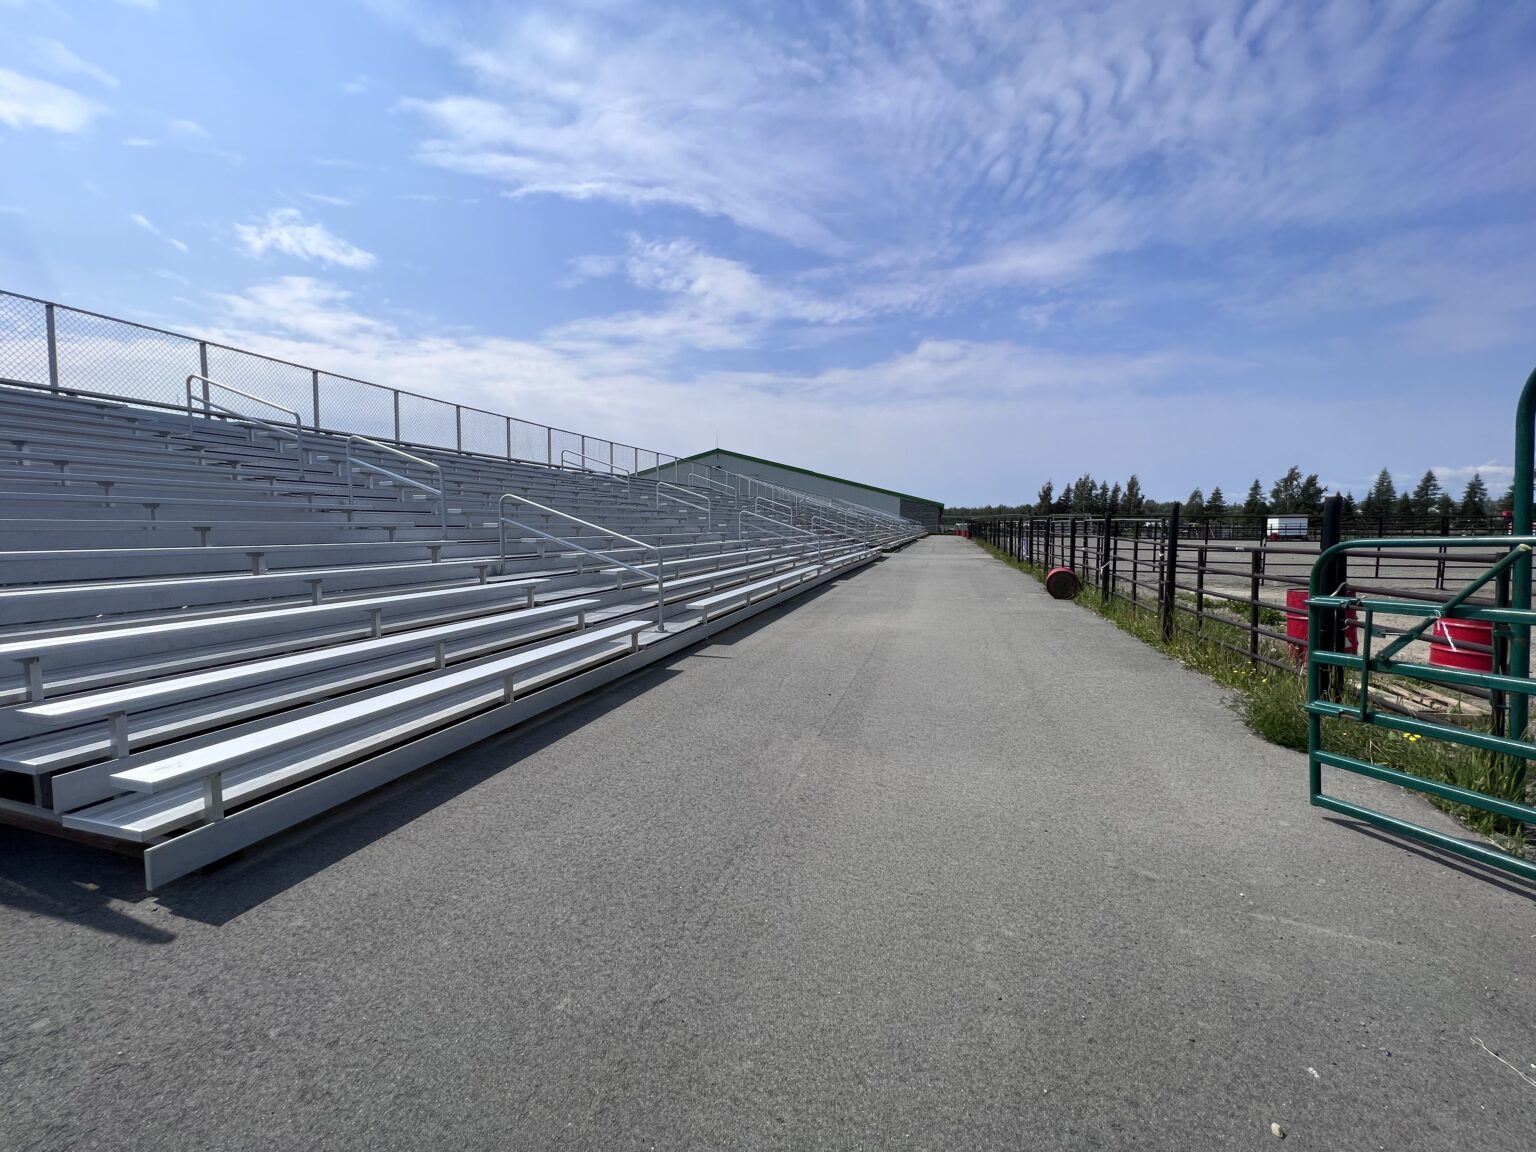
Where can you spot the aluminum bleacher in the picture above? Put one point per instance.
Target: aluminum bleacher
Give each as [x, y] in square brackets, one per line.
[214, 625]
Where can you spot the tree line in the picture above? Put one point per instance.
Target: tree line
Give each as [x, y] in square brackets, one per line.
[1292, 494]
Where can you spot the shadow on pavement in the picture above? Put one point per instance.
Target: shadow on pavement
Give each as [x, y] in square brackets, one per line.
[1491, 876]
[42, 875]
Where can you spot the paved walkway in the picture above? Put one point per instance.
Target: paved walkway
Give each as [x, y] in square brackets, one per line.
[928, 861]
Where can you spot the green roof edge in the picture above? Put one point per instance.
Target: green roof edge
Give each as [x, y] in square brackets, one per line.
[809, 472]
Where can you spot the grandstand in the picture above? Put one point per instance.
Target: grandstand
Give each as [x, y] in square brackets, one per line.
[217, 621]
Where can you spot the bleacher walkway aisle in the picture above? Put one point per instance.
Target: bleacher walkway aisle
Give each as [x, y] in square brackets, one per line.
[930, 861]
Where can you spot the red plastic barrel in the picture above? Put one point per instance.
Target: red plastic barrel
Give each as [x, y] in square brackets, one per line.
[1061, 583]
[1296, 624]
[1450, 647]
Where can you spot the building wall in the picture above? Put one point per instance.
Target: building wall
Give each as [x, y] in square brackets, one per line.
[923, 512]
[816, 485]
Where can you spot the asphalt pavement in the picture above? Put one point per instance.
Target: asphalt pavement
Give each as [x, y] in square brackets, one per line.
[925, 860]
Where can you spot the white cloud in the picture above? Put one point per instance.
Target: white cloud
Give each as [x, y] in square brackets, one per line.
[26, 102]
[188, 129]
[144, 222]
[325, 198]
[285, 230]
[976, 129]
[52, 56]
[357, 85]
[140, 142]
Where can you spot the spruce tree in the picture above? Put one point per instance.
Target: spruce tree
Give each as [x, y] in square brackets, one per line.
[1474, 498]
[1382, 496]
[1426, 492]
[1254, 505]
[1195, 504]
[1046, 499]
[1216, 503]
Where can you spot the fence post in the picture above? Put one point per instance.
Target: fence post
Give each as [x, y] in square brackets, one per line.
[1255, 579]
[1332, 619]
[1135, 564]
[509, 447]
[1170, 571]
[549, 449]
[458, 428]
[396, 393]
[53, 348]
[1445, 530]
[314, 389]
[202, 367]
[1106, 558]
[1072, 544]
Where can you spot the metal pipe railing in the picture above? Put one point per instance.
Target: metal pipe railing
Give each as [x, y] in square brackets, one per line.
[240, 417]
[502, 520]
[441, 492]
[707, 508]
[820, 542]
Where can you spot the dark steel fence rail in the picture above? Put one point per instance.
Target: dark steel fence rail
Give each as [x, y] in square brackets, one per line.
[1243, 595]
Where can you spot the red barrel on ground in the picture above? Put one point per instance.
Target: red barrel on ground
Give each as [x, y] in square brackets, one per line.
[1296, 624]
[1061, 583]
[1464, 644]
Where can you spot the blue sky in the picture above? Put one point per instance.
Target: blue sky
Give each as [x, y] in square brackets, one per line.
[948, 248]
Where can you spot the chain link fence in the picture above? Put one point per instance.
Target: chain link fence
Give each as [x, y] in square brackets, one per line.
[49, 345]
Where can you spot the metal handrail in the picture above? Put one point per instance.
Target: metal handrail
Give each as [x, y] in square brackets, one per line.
[707, 508]
[613, 469]
[441, 492]
[831, 527]
[820, 543]
[241, 417]
[692, 476]
[502, 520]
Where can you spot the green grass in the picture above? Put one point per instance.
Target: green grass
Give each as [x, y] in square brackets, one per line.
[1272, 702]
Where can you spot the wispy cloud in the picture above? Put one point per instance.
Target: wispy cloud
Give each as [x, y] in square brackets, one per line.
[979, 128]
[144, 222]
[52, 56]
[357, 85]
[326, 198]
[26, 102]
[188, 129]
[285, 230]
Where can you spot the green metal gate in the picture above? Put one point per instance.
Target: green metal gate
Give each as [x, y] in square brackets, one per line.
[1340, 683]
